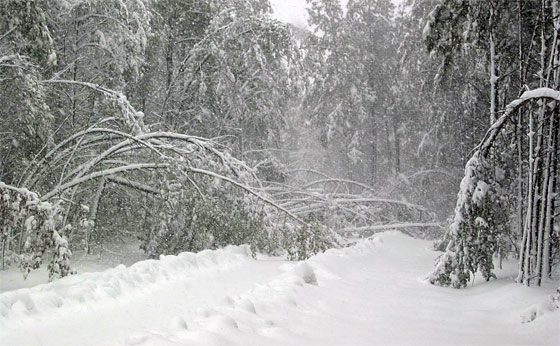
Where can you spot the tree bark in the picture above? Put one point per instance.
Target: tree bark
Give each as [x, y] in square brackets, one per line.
[553, 156]
[373, 150]
[527, 236]
[397, 145]
[493, 77]
[95, 207]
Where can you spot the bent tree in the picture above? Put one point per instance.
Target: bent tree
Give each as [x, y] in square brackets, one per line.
[82, 158]
[508, 197]
[477, 229]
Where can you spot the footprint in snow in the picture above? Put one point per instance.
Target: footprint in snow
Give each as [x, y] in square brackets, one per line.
[137, 339]
[178, 323]
[246, 304]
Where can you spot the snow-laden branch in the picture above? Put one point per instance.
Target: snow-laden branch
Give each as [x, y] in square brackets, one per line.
[430, 171]
[152, 141]
[348, 199]
[392, 226]
[131, 117]
[83, 169]
[336, 180]
[8, 32]
[144, 140]
[133, 184]
[39, 168]
[226, 159]
[295, 205]
[249, 190]
[379, 200]
[540, 93]
[344, 210]
[10, 57]
[103, 173]
[19, 190]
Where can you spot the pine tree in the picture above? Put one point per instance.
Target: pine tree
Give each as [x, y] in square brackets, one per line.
[349, 63]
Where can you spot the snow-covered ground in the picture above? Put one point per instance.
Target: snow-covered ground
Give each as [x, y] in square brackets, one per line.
[125, 252]
[372, 293]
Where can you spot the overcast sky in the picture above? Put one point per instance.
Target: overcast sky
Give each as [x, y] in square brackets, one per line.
[293, 11]
[290, 11]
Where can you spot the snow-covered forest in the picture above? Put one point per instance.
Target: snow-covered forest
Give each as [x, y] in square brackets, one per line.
[357, 172]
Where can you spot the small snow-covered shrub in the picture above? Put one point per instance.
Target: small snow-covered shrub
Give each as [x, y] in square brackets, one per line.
[475, 231]
[33, 229]
[189, 221]
[302, 242]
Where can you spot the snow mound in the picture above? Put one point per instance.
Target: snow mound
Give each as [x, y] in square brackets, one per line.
[115, 283]
[263, 312]
[179, 324]
[306, 273]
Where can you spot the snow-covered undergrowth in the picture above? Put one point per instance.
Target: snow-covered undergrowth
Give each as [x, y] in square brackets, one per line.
[372, 293]
[113, 253]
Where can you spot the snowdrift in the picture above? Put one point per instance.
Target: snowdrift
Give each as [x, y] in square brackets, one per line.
[371, 293]
[120, 282]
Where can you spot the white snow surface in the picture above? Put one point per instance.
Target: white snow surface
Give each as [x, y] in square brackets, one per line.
[372, 293]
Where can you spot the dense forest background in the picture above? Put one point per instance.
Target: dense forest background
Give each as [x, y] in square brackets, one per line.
[195, 124]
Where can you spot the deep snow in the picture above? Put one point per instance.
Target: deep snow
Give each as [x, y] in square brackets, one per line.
[372, 293]
[125, 251]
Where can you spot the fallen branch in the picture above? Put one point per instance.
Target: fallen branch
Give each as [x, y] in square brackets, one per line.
[392, 226]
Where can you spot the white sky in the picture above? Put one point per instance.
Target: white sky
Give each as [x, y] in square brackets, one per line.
[290, 11]
[293, 11]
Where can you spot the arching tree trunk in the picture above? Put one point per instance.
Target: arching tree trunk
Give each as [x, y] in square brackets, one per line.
[457, 265]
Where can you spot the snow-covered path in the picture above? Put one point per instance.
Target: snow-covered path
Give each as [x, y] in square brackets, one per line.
[368, 294]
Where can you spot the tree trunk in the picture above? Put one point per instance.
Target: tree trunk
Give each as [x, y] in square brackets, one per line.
[525, 248]
[544, 206]
[169, 66]
[373, 150]
[553, 155]
[520, 175]
[397, 145]
[95, 204]
[519, 134]
[493, 78]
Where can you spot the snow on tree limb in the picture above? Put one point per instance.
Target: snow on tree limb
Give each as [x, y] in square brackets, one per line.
[103, 173]
[527, 96]
[392, 226]
[336, 180]
[134, 184]
[472, 241]
[380, 200]
[131, 117]
[320, 199]
[249, 190]
[147, 139]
